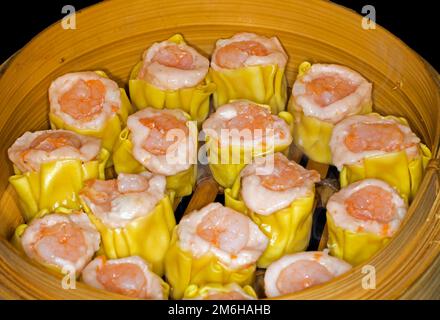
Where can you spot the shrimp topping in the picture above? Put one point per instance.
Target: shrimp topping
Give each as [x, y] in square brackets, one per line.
[50, 141]
[301, 275]
[374, 136]
[160, 138]
[225, 229]
[251, 116]
[230, 236]
[32, 150]
[287, 174]
[83, 100]
[124, 278]
[119, 201]
[175, 57]
[371, 203]
[273, 182]
[234, 55]
[329, 89]
[130, 276]
[63, 240]
[299, 271]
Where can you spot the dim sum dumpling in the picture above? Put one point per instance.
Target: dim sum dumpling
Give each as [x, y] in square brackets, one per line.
[278, 195]
[61, 240]
[331, 92]
[84, 100]
[323, 95]
[361, 219]
[247, 49]
[364, 136]
[33, 149]
[368, 205]
[249, 66]
[162, 141]
[296, 272]
[129, 276]
[172, 66]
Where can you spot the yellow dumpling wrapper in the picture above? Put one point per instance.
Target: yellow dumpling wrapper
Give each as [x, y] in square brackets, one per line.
[393, 168]
[353, 247]
[194, 291]
[110, 132]
[226, 173]
[261, 84]
[148, 237]
[56, 184]
[124, 162]
[194, 101]
[182, 270]
[288, 229]
[312, 135]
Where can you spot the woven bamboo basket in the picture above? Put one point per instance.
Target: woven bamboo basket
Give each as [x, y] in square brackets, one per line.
[111, 36]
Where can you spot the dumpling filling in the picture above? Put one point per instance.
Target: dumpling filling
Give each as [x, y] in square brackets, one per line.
[369, 205]
[163, 141]
[119, 201]
[246, 124]
[360, 137]
[129, 276]
[331, 92]
[84, 100]
[247, 49]
[61, 240]
[171, 66]
[33, 149]
[273, 183]
[229, 235]
[296, 272]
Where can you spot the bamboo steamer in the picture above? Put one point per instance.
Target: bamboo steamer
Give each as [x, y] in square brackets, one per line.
[112, 35]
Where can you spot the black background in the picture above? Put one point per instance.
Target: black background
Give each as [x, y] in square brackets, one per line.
[415, 22]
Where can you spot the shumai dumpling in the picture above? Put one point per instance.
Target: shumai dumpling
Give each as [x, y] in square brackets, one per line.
[362, 218]
[323, 95]
[249, 66]
[51, 167]
[213, 245]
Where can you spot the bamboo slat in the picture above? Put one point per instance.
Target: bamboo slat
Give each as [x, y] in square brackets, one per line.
[112, 35]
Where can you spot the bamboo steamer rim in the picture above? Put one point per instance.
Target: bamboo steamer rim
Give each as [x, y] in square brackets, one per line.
[410, 258]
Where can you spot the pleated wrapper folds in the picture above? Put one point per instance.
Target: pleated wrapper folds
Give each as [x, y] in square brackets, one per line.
[56, 184]
[353, 247]
[194, 101]
[182, 269]
[312, 135]
[288, 229]
[261, 84]
[181, 183]
[148, 236]
[394, 168]
[196, 292]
